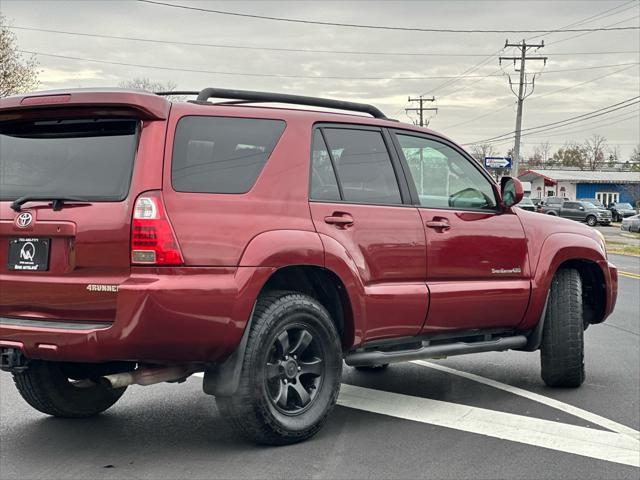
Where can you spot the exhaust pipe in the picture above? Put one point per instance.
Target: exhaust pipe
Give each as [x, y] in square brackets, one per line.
[146, 376]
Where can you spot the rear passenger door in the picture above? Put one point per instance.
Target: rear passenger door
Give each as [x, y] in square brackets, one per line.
[359, 199]
[477, 267]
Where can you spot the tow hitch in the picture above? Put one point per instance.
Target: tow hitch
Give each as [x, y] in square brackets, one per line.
[12, 360]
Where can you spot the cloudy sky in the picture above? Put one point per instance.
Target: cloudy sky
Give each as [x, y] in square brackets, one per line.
[585, 72]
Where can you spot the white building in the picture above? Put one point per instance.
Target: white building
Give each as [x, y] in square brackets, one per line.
[605, 186]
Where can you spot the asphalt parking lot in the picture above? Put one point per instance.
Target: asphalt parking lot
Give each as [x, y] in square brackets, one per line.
[479, 416]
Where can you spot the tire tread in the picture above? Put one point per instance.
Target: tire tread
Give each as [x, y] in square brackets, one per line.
[562, 349]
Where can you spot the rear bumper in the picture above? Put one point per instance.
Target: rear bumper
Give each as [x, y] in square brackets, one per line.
[163, 315]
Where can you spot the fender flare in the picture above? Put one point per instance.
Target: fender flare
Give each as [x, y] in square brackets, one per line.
[276, 249]
[556, 249]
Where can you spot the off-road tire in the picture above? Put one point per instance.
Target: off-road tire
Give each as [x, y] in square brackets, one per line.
[562, 348]
[250, 410]
[373, 368]
[46, 387]
[592, 221]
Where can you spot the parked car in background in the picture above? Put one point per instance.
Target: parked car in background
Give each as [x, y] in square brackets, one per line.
[595, 201]
[621, 210]
[527, 204]
[536, 201]
[581, 212]
[631, 224]
[550, 204]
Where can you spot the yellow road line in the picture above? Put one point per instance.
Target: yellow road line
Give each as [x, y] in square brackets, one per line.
[629, 275]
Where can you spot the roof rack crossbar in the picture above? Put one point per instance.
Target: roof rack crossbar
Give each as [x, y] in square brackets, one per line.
[177, 92]
[267, 97]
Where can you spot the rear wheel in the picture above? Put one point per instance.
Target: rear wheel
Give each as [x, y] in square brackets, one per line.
[592, 221]
[562, 348]
[291, 372]
[56, 389]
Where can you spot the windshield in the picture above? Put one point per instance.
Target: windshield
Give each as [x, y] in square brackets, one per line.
[526, 201]
[624, 205]
[85, 158]
[588, 205]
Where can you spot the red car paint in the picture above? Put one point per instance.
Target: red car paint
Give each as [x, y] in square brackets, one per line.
[403, 275]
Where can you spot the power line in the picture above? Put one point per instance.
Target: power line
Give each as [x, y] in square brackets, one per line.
[583, 34]
[493, 112]
[464, 74]
[540, 129]
[568, 124]
[276, 75]
[579, 22]
[378, 27]
[618, 119]
[283, 49]
[554, 92]
[598, 16]
[568, 121]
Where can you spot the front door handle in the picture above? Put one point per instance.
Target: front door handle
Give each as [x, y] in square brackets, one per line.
[438, 224]
[339, 219]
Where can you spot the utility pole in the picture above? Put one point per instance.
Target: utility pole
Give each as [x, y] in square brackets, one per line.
[421, 121]
[421, 109]
[523, 91]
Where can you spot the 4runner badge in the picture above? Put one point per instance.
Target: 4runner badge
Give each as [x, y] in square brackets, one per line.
[92, 287]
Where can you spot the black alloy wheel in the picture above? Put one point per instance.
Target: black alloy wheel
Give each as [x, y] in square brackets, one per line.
[295, 369]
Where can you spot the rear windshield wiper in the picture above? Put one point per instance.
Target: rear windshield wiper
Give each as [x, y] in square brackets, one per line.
[56, 202]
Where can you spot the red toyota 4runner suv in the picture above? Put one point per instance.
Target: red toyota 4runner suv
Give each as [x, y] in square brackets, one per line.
[142, 241]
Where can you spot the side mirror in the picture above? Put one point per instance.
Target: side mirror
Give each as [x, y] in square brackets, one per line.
[581, 208]
[511, 191]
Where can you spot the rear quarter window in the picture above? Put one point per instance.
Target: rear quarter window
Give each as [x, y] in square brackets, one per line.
[221, 154]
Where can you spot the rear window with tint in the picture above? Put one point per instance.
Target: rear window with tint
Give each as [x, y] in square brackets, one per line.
[86, 158]
[221, 154]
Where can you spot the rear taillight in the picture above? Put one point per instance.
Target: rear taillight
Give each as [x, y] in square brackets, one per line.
[152, 239]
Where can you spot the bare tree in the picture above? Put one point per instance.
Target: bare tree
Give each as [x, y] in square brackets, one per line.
[594, 148]
[145, 83]
[571, 155]
[613, 157]
[635, 156]
[481, 151]
[18, 74]
[544, 152]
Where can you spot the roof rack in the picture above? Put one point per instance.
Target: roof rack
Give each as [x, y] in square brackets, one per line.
[246, 96]
[176, 92]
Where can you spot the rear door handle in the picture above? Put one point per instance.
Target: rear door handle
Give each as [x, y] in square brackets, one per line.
[339, 219]
[438, 224]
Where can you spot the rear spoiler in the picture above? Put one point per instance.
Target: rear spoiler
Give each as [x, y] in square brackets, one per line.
[146, 106]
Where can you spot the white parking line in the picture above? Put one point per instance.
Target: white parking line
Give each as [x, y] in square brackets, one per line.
[609, 446]
[550, 402]
[614, 446]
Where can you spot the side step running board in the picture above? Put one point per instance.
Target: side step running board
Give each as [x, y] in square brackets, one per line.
[377, 357]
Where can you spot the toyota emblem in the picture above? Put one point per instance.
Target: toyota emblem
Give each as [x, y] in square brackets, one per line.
[24, 220]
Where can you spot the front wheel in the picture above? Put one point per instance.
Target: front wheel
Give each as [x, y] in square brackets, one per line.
[291, 372]
[592, 221]
[57, 389]
[562, 348]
